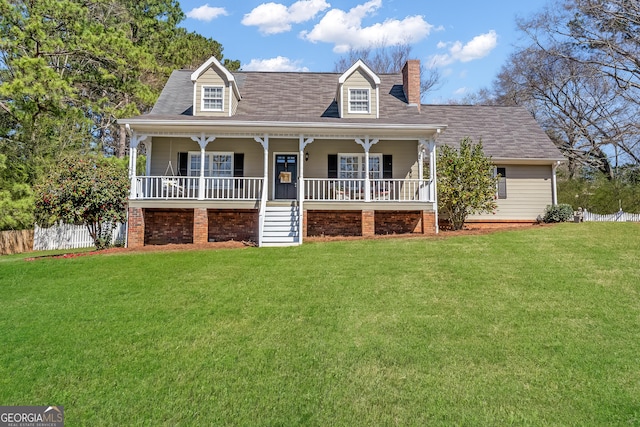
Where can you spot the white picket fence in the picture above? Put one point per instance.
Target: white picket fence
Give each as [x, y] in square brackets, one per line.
[67, 236]
[619, 216]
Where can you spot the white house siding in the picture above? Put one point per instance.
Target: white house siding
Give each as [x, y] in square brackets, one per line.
[529, 191]
[359, 80]
[212, 77]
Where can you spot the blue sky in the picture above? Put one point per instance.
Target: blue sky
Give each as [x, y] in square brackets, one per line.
[468, 41]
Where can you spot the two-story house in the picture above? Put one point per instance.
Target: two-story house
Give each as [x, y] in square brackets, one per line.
[273, 157]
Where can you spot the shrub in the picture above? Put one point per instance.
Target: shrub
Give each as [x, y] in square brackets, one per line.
[558, 213]
[466, 184]
[86, 190]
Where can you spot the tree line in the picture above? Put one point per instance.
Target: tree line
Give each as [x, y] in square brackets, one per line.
[576, 69]
[69, 69]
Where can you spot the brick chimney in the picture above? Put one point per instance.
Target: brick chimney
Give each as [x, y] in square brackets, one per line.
[411, 81]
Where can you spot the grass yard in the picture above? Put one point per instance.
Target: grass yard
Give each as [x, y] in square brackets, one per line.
[530, 327]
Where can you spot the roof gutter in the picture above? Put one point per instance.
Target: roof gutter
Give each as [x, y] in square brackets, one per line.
[262, 126]
[272, 124]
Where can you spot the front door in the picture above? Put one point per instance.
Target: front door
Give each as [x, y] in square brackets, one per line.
[286, 176]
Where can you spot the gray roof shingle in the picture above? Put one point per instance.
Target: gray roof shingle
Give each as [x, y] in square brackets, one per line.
[506, 132]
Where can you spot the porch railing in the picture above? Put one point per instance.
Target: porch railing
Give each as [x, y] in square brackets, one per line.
[397, 190]
[316, 189]
[188, 188]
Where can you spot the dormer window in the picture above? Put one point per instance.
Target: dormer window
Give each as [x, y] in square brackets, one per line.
[359, 101]
[212, 98]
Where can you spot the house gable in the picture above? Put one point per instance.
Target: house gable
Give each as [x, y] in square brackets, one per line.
[358, 94]
[215, 92]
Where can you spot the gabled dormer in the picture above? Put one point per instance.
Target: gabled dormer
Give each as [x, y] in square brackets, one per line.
[215, 92]
[359, 93]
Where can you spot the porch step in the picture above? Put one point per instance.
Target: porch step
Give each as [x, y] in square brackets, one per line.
[281, 226]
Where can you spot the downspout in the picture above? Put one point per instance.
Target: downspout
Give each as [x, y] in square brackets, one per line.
[301, 194]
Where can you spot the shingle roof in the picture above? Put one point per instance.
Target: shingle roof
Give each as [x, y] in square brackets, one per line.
[506, 132]
[176, 97]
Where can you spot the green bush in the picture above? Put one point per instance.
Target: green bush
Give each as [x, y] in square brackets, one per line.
[558, 213]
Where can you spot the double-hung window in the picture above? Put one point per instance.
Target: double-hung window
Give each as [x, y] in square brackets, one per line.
[359, 101]
[352, 166]
[216, 164]
[212, 98]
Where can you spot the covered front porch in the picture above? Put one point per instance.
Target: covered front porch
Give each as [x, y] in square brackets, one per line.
[303, 172]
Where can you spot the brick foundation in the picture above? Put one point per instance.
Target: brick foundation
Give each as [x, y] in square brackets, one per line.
[334, 223]
[200, 226]
[428, 222]
[164, 226]
[398, 222]
[305, 215]
[368, 223]
[233, 224]
[135, 228]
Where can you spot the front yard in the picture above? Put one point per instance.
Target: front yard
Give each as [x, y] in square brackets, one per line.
[530, 327]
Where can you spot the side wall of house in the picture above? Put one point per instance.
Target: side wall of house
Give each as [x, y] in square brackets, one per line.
[529, 191]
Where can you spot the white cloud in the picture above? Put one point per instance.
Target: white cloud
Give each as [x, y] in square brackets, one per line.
[206, 13]
[479, 47]
[273, 18]
[279, 63]
[460, 91]
[345, 30]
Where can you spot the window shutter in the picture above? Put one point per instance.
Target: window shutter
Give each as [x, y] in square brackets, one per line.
[332, 166]
[238, 164]
[502, 183]
[387, 166]
[183, 158]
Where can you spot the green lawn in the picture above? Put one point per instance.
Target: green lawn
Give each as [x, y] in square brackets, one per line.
[532, 327]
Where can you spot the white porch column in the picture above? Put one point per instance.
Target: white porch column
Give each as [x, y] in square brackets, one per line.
[265, 190]
[133, 157]
[425, 191]
[202, 141]
[421, 146]
[367, 144]
[432, 172]
[554, 190]
[148, 145]
[302, 144]
[265, 146]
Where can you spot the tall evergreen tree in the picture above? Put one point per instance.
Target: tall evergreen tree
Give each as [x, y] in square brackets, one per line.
[70, 68]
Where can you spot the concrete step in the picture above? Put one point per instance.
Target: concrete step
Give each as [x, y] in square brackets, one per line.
[280, 227]
[280, 239]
